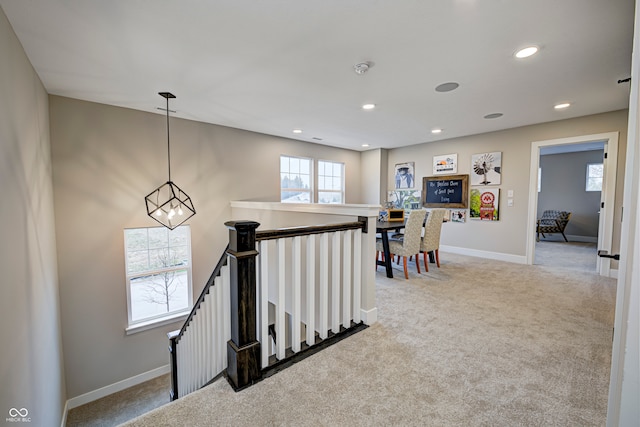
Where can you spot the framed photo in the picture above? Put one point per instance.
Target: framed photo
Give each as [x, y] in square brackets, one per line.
[445, 164]
[405, 175]
[486, 168]
[485, 204]
[404, 199]
[458, 215]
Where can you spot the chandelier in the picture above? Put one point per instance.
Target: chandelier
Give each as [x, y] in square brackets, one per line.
[168, 204]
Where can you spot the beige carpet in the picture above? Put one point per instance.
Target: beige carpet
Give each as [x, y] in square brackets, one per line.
[474, 343]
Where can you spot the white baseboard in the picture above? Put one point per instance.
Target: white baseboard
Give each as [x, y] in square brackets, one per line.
[115, 387]
[485, 254]
[613, 273]
[369, 317]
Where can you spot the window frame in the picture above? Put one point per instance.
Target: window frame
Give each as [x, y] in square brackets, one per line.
[310, 190]
[162, 318]
[589, 177]
[341, 191]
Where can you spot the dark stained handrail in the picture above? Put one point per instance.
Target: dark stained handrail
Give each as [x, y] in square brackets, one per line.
[280, 233]
[216, 272]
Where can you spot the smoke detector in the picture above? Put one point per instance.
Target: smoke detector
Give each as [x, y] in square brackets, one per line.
[362, 67]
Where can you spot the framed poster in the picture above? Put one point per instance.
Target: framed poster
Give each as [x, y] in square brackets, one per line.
[445, 191]
[485, 204]
[486, 168]
[404, 199]
[458, 215]
[445, 164]
[405, 173]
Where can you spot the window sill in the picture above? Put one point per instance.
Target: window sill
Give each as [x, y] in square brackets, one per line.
[156, 323]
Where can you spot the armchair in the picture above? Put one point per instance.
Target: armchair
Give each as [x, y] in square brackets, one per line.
[552, 221]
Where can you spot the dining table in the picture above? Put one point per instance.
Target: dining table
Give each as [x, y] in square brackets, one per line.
[383, 227]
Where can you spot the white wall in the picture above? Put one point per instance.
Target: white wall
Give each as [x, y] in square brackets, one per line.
[508, 236]
[31, 368]
[105, 161]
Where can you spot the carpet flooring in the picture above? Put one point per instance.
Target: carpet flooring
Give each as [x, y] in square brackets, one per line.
[473, 343]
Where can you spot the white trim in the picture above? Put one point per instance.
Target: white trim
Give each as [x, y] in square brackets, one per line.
[65, 412]
[605, 231]
[316, 208]
[498, 256]
[156, 323]
[116, 387]
[369, 317]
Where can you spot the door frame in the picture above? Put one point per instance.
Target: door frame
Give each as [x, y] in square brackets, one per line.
[605, 222]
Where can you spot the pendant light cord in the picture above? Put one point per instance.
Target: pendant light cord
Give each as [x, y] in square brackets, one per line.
[168, 142]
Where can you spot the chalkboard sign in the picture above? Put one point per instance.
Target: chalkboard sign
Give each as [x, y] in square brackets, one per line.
[445, 191]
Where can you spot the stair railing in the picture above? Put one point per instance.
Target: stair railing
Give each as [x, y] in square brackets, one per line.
[302, 283]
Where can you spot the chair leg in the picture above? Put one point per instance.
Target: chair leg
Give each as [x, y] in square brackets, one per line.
[426, 261]
[377, 255]
[417, 263]
[406, 272]
[437, 258]
[565, 237]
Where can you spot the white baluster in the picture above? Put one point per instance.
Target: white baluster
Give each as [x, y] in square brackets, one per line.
[295, 293]
[346, 280]
[226, 313]
[323, 306]
[357, 275]
[264, 303]
[280, 306]
[335, 283]
[311, 292]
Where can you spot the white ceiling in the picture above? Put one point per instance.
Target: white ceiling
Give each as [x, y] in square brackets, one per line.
[271, 66]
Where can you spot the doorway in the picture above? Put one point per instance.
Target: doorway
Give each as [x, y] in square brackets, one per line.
[609, 141]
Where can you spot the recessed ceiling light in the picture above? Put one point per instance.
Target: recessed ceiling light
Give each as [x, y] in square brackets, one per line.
[365, 145]
[368, 106]
[526, 52]
[297, 131]
[447, 87]
[561, 106]
[493, 115]
[437, 130]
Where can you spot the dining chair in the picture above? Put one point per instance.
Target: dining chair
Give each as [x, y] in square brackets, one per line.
[409, 244]
[431, 239]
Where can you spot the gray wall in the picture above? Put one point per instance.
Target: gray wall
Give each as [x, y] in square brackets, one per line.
[105, 160]
[563, 188]
[31, 368]
[508, 235]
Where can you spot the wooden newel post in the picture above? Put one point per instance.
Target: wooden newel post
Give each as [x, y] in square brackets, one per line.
[243, 349]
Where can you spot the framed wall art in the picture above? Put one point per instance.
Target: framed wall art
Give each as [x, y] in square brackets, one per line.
[484, 204]
[486, 168]
[405, 175]
[445, 164]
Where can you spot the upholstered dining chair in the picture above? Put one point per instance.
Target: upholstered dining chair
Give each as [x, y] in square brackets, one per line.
[552, 221]
[431, 239]
[409, 244]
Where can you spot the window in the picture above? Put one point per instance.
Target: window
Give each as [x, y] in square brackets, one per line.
[295, 180]
[158, 266]
[330, 182]
[595, 172]
[539, 179]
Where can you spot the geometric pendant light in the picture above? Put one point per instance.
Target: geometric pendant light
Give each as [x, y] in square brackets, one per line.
[168, 204]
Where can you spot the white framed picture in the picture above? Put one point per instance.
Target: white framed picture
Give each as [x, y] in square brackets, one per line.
[405, 175]
[458, 215]
[445, 165]
[486, 168]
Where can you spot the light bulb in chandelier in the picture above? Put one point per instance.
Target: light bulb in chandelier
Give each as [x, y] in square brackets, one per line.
[159, 212]
[180, 212]
[171, 214]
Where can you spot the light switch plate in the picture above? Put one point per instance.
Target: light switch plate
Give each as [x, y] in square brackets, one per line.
[510, 193]
[510, 203]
